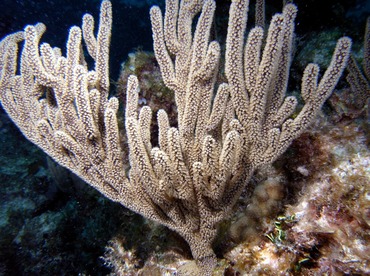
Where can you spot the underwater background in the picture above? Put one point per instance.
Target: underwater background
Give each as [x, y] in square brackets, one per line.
[51, 223]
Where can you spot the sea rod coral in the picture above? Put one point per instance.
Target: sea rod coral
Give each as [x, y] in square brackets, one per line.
[193, 178]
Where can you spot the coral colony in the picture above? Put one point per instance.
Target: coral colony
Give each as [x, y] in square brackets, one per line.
[192, 177]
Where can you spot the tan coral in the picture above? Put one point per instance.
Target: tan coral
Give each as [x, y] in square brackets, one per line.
[193, 178]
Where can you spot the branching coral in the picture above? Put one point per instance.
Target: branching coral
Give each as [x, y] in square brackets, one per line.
[193, 178]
